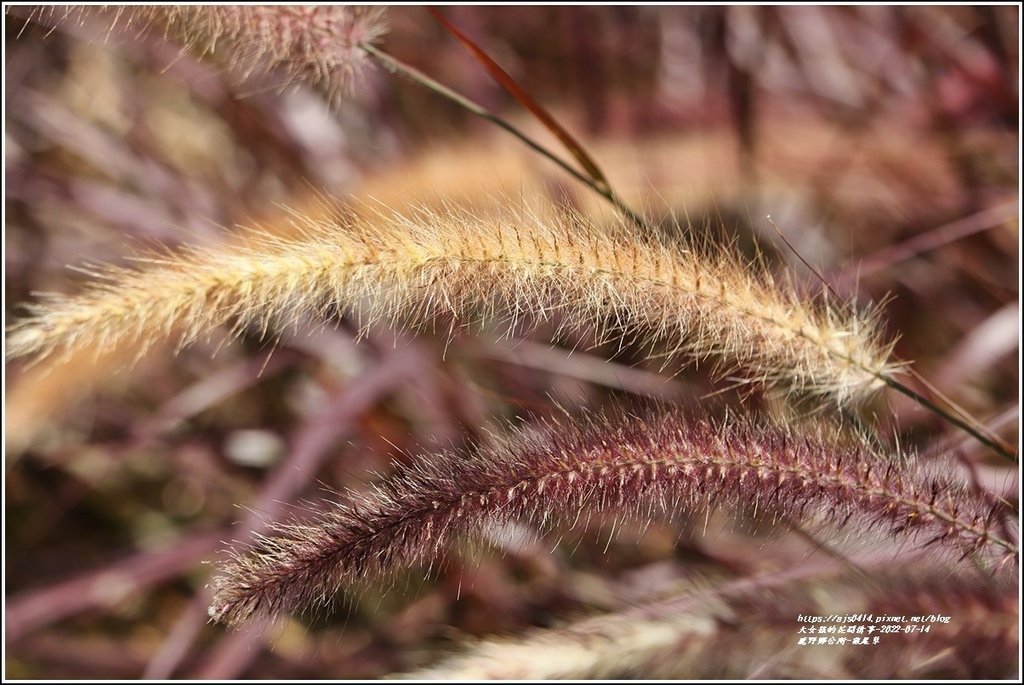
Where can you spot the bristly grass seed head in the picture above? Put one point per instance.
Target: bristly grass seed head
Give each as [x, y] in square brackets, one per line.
[424, 267]
[316, 44]
[664, 466]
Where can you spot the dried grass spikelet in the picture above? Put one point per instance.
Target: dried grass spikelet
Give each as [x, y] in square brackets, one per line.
[635, 468]
[315, 44]
[698, 302]
[749, 629]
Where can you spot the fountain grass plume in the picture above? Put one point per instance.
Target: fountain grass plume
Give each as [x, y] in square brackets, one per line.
[696, 301]
[664, 466]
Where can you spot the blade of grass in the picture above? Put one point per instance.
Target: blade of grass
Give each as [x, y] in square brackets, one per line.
[526, 100]
[968, 423]
[397, 66]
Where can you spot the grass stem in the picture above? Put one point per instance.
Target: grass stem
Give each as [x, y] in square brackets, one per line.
[598, 186]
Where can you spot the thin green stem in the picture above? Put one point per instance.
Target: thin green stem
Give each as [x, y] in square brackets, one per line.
[598, 187]
[993, 444]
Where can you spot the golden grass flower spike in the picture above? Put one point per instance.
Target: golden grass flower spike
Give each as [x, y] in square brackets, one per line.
[414, 269]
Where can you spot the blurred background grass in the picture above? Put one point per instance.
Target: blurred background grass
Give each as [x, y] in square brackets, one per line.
[882, 140]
